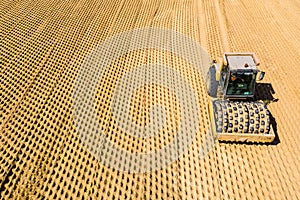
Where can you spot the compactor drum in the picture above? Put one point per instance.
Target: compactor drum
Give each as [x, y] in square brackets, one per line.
[234, 114]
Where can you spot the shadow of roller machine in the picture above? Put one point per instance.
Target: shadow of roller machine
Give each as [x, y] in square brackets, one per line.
[235, 114]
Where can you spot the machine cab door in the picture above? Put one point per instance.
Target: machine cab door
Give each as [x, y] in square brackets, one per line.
[223, 77]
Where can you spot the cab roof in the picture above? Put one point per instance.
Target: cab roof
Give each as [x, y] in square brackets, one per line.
[241, 62]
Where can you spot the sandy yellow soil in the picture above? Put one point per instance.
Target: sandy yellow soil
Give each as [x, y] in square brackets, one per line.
[43, 43]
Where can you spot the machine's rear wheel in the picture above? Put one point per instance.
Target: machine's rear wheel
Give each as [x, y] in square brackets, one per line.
[211, 82]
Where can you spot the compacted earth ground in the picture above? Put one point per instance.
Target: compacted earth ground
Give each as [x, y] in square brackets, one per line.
[43, 44]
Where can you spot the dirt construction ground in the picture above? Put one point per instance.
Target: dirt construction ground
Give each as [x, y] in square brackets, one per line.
[45, 43]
